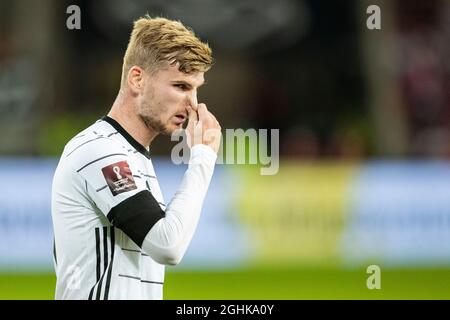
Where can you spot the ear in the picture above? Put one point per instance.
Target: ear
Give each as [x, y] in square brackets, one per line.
[136, 79]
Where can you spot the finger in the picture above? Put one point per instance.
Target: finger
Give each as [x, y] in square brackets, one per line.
[193, 103]
[203, 113]
[192, 116]
[192, 135]
[202, 106]
[214, 120]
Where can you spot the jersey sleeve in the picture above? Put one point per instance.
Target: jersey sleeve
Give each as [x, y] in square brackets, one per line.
[116, 187]
[168, 240]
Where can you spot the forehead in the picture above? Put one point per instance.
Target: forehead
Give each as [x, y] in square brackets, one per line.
[171, 73]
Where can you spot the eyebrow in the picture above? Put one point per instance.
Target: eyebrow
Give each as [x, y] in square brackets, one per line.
[188, 84]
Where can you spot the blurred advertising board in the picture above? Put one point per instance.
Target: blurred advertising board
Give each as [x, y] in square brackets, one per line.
[327, 213]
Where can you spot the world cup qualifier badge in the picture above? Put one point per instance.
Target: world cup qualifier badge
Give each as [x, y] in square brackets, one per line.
[119, 177]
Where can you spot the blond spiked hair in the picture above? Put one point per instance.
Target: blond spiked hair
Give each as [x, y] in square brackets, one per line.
[156, 42]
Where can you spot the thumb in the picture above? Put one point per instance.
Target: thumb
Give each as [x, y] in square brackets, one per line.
[192, 118]
[192, 130]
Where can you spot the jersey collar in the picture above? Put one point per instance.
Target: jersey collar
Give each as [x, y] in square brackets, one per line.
[139, 147]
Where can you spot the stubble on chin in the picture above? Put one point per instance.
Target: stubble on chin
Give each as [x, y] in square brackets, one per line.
[152, 124]
[156, 126]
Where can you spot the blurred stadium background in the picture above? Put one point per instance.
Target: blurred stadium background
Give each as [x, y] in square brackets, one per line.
[364, 119]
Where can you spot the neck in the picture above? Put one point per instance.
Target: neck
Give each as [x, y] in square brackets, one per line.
[125, 114]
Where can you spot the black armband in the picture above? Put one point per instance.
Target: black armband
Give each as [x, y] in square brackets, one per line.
[136, 215]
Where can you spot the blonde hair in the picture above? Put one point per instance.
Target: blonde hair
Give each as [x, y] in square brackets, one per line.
[155, 42]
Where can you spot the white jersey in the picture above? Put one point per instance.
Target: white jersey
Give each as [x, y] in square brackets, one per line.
[105, 200]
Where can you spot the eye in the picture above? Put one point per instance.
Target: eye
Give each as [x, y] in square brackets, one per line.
[181, 86]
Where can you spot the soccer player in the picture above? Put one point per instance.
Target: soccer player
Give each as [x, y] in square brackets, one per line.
[113, 231]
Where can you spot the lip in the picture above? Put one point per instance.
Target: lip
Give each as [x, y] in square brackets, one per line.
[180, 118]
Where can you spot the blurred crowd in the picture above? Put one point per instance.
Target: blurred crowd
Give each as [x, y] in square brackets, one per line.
[305, 67]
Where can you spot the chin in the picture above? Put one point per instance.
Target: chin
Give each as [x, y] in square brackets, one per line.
[171, 129]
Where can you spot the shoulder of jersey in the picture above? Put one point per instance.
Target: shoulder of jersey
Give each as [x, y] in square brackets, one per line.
[93, 142]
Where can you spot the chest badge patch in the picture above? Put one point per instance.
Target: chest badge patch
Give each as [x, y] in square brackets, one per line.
[119, 177]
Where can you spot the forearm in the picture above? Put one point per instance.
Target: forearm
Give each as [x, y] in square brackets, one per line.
[169, 238]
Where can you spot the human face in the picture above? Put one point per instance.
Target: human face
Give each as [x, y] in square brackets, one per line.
[166, 95]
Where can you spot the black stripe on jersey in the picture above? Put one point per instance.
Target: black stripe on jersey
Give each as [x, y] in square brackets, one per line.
[108, 278]
[131, 250]
[105, 261]
[97, 250]
[136, 176]
[105, 248]
[107, 156]
[139, 147]
[146, 175]
[100, 189]
[111, 134]
[137, 251]
[131, 277]
[148, 281]
[136, 215]
[137, 278]
[54, 251]
[99, 137]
